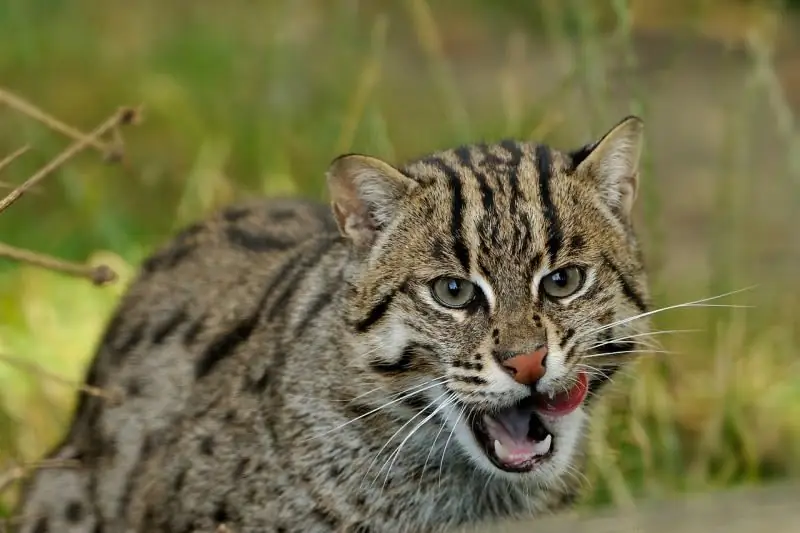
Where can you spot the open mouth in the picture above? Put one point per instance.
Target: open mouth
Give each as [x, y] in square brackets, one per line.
[515, 438]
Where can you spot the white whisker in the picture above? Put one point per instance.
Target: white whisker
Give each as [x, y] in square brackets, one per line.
[638, 335]
[452, 430]
[695, 303]
[433, 446]
[385, 444]
[371, 412]
[396, 453]
[590, 356]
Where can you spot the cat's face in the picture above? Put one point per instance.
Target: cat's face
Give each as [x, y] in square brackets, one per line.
[494, 289]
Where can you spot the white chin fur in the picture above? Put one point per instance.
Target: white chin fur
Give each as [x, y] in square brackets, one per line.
[566, 432]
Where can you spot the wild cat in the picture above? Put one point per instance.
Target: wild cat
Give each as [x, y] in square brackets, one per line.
[421, 354]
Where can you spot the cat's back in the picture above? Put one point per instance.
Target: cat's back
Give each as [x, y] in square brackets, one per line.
[194, 304]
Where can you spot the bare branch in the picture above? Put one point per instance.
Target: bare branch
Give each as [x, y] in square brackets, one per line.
[19, 104]
[36, 369]
[17, 472]
[97, 274]
[123, 116]
[11, 158]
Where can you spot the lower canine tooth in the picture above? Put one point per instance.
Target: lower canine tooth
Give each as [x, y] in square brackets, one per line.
[543, 447]
[499, 450]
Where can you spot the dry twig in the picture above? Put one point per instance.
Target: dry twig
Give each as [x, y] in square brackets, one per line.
[125, 115]
[17, 472]
[36, 369]
[97, 274]
[13, 101]
[11, 158]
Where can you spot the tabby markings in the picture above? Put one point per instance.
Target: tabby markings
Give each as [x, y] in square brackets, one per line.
[544, 166]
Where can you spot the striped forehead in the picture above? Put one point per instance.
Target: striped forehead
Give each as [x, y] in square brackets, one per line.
[500, 206]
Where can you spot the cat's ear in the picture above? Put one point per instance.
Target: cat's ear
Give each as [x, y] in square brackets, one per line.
[612, 163]
[365, 192]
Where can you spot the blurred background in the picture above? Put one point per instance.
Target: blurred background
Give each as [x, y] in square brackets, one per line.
[248, 98]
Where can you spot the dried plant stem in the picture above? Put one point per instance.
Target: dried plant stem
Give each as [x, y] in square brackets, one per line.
[18, 472]
[6, 185]
[15, 102]
[123, 116]
[97, 274]
[36, 369]
[11, 158]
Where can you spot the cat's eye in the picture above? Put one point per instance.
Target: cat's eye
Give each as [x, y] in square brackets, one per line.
[563, 282]
[454, 293]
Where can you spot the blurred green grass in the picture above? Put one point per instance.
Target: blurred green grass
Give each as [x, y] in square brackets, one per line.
[250, 98]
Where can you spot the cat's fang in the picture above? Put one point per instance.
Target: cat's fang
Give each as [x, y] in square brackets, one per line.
[500, 451]
[543, 447]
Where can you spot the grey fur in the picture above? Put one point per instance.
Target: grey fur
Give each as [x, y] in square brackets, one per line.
[252, 350]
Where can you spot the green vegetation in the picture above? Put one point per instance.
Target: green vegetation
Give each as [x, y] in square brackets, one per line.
[245, 98]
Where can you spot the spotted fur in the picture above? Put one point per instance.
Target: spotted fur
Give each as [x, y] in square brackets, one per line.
[271, 359]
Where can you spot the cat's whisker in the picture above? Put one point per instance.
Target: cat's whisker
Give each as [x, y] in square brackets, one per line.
[639, 335]
[622, 352]
[438, 379]
[452, 430]
[452, 399]
[400, 429]
[372, 411]
[363, 394]
[396, 453]
[596, 372]
[695, 303]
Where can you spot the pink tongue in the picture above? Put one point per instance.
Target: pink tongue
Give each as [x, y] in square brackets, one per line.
[509, 435]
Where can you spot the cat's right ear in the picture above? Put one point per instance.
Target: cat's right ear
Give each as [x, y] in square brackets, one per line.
[365, 193]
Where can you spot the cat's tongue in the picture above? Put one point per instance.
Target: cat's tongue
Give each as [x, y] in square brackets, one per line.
[518, 435]
[565, 402]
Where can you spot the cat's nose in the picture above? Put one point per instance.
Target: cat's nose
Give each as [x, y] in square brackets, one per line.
[527, 368]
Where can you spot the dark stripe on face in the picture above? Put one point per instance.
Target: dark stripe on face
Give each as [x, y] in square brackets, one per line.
[403, 364]
[472, 380]
[456, 224]
[544, 167]
[512, 170]
[377, 312]
[576, 244]
[627, 287]
[487, 194]
[406, 360]
[567, 336]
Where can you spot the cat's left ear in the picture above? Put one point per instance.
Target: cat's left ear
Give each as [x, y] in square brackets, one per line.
[612, 163]
[365, 193]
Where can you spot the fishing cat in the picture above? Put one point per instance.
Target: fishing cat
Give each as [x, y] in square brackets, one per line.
[419, 355]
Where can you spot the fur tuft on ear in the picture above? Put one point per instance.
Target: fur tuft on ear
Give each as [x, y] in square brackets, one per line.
[612, 163]
[364, 194]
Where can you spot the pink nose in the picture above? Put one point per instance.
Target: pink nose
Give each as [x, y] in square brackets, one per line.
[527, 368]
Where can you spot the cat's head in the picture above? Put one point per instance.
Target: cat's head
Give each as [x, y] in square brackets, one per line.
[492, 287]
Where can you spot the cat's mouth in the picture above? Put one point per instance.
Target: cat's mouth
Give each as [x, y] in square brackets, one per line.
[515, 439]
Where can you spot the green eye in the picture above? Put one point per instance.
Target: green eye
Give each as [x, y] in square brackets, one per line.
[454, 293]
[563, 282]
